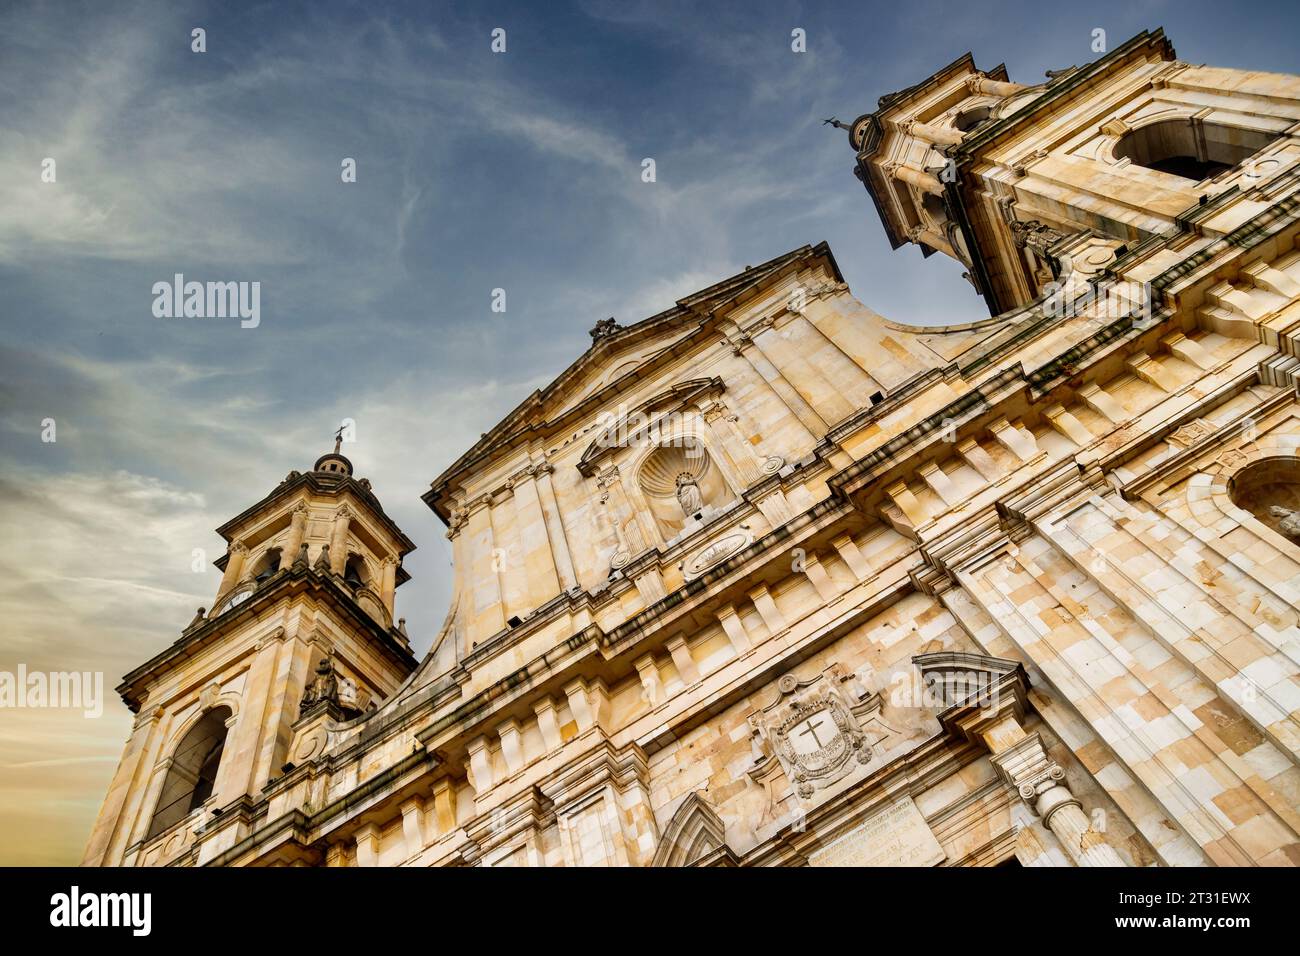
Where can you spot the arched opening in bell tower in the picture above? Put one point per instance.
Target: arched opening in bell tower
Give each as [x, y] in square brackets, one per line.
[1190, 148]
[193, 771]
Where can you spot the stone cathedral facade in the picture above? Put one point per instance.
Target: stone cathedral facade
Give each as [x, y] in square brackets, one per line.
[767, 579]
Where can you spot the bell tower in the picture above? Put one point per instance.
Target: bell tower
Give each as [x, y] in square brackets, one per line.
[1026, 184]
[301, 629]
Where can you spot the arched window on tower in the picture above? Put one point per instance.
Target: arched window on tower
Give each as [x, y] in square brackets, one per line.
[1270, 490]
[193, 771]
[967, 120]
[354, 572]
[1190, 148]
[267, 566]
[935, 209]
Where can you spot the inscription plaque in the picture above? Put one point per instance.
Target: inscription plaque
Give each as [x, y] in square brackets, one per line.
[895, 836]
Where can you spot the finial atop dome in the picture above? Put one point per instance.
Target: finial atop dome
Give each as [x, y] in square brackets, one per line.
[334, 462]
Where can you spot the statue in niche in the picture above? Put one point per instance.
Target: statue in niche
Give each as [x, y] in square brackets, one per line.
[1290, 523]
[324, 688]
[688, 494]
[1035, 235]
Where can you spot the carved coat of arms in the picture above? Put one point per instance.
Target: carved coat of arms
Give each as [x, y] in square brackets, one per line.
[812, 730]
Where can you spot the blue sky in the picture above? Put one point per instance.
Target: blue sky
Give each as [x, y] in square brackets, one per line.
[475, 171]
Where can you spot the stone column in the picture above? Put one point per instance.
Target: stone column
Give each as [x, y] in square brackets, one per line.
[848, 369]
[541, 574]
[116, 815]
[297, 530]
[996, 720]
[244, 743]
[555, 526]
[292, 671]
[744, 346]
[818, 390]
[339, 540]
[483, 583]
[508, 559]
[612, 483]
[932, 239]
[725, 428]
[926, 182]
[235, 556]
[389, 586]
[938, 135]
[1040, 781]
[988, 87]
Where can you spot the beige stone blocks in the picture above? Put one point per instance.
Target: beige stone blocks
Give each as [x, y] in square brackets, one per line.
[1068, 425]
[1153, 372]
[1015, 438]
[734, 629]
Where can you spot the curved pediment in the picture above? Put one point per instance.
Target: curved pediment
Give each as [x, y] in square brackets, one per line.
[644, 423]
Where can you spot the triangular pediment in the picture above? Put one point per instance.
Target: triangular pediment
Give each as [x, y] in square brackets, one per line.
[618, 356]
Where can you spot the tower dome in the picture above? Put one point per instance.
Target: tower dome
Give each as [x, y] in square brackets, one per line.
[334, 462]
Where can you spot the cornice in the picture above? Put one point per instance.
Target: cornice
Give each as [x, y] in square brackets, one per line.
[324, 484]
[287, 582]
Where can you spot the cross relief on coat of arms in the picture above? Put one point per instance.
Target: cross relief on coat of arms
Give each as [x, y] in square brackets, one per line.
[812, 730]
